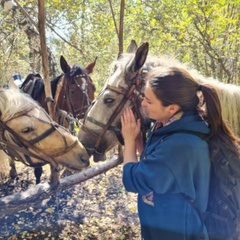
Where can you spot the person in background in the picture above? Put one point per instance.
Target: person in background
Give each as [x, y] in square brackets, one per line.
[174, 167]
[18, 79]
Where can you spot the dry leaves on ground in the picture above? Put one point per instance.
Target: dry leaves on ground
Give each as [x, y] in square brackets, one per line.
[97, 209]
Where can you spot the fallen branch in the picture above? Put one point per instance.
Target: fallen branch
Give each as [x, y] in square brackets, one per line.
[20, 201]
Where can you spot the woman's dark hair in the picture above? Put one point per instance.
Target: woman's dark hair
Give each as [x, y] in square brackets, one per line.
[174, 85]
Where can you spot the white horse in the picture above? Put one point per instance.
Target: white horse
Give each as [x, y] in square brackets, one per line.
[101, 128]
[28, 134]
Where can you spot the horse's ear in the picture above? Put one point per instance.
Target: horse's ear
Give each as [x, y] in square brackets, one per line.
[12, 84]
[132, 47]
[90, 67]
[64, 65]
[139, 59]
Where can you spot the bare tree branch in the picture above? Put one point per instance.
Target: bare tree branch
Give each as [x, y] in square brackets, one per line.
[114, 19]
[121, 27]
[66, 41]
[20, 201]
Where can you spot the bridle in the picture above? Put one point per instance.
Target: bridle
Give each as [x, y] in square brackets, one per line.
[86, 101]
[133, 93]
[23, 146]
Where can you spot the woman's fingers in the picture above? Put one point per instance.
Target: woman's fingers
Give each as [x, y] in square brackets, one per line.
[128, 116]
[128, 121]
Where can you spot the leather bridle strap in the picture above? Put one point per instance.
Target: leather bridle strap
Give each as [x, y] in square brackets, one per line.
[83, 91]
[54, 127]
[126, 96]
[116, 112]
[5, 145]
[131, 94]
[27, 145]
[44, 135]
[85, 94]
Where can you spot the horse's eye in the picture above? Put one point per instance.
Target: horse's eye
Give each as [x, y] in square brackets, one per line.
[27, 130]
[109, 100]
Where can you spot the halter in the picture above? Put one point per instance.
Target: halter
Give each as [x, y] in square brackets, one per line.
[23, 145]
[132, 94]
[78, 112]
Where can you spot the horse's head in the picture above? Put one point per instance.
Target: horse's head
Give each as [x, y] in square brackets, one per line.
[101, 128]
[78, 88]
[30, 135]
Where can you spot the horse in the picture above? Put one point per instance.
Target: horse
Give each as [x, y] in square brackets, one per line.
[73, 91]
[100, 130]
[29, 135]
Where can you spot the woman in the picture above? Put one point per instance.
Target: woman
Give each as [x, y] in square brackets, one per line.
[174, 168]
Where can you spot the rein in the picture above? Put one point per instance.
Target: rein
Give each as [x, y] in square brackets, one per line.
[132, 94]
[23, 145]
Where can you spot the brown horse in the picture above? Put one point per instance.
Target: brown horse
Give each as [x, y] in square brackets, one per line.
[29, 135]
[72, 91]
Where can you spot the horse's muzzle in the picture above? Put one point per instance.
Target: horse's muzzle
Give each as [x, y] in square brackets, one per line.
[99, 157]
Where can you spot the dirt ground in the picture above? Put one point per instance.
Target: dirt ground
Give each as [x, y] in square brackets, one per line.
[97, 209]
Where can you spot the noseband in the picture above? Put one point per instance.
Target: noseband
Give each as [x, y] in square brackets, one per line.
[132, 94]
[23, 146]
[78, 112]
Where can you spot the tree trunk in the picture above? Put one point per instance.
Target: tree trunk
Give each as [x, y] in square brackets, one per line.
[47, 86]
[119, 31]
[25, 23]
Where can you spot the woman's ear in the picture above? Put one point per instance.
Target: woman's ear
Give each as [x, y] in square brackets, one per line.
[173, 109]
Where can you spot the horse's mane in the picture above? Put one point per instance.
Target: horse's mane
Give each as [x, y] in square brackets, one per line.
[12, 101]
[229, 93]
[54, 84]
[76, 70]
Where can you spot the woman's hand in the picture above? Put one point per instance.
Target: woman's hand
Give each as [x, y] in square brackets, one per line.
[130, 127]
[130, 132]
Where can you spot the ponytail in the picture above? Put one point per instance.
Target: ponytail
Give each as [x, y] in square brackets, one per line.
[220, 133]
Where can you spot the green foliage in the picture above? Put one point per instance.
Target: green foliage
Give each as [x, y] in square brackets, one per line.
[204, 34]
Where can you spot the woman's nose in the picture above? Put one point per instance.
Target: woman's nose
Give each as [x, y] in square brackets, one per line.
[143, 102]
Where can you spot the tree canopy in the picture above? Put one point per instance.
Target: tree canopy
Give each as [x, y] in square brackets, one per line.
[204, 34]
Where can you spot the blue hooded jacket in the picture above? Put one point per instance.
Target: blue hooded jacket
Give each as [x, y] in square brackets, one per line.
[172, 166]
